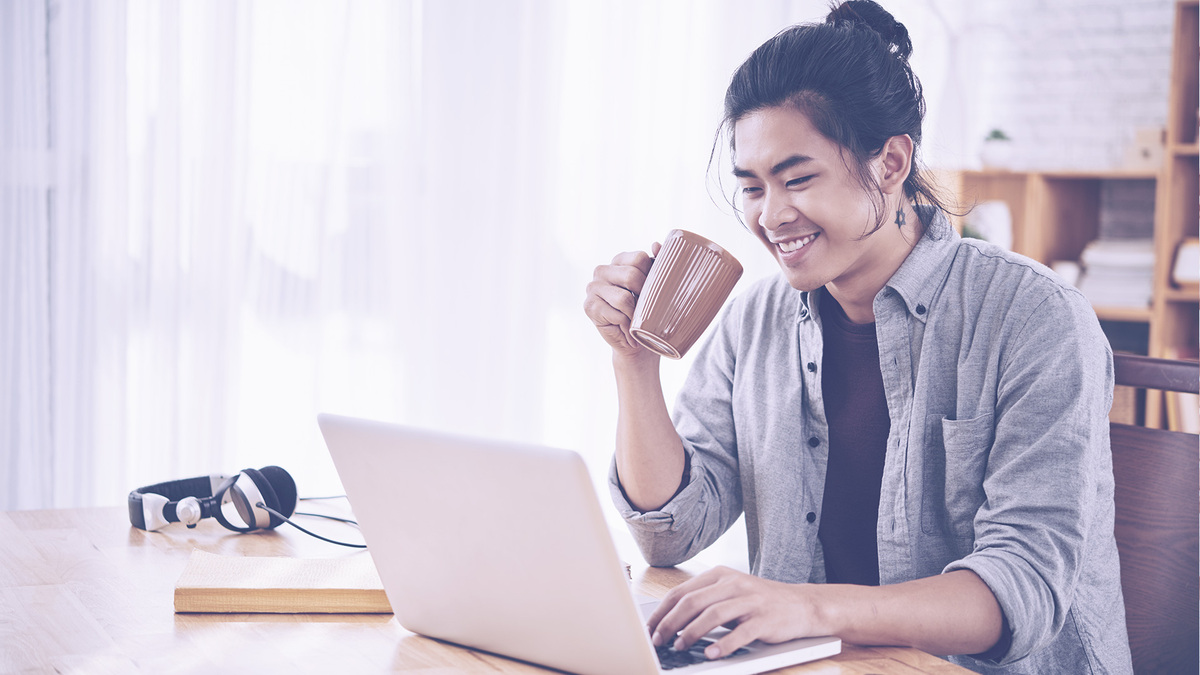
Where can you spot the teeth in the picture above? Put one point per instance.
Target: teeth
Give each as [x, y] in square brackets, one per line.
[789, 246]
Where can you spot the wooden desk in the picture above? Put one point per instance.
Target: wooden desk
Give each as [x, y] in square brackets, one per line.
[82, 591]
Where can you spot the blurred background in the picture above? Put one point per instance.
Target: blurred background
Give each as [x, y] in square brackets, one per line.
[218, 219]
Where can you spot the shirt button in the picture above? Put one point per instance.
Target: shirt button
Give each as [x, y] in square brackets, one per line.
[812, 367]
[812, 517]
[920, 309]
[814, 442]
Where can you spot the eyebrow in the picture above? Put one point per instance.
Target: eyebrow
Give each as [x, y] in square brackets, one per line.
[775, 170]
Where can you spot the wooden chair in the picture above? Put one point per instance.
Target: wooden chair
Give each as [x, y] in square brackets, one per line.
[1157, 496]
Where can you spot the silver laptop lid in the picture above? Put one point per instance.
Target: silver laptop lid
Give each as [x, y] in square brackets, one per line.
[497, 546]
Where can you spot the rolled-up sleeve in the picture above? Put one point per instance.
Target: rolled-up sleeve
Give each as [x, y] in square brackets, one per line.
[1048, 480]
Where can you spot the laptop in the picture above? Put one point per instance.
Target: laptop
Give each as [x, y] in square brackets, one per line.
[503, 547]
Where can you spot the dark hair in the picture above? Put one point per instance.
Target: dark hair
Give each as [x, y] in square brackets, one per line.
[850, 76]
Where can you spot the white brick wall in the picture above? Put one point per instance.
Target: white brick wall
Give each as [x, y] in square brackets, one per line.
[1069, 80]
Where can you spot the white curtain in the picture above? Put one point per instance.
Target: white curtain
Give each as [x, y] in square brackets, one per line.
[220, 218]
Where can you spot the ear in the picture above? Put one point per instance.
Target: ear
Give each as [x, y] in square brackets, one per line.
[895, 163]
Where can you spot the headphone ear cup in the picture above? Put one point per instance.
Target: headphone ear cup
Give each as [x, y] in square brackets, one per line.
[278, 489]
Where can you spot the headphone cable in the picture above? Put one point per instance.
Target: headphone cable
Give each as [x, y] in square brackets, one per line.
[349, 521]
[311, 534]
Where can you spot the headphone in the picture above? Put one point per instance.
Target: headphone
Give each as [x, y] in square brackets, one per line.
[188, 501]
[264, 499]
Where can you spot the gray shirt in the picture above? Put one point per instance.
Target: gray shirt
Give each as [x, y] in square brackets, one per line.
[998, 382]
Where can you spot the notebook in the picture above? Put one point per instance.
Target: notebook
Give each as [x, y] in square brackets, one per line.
[232, 584]
[503, 547]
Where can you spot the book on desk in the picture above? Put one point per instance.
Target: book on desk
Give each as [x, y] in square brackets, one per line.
[280, 585]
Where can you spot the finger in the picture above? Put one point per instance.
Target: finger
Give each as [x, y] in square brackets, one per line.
[706, 578]
[618, 338]
[601, 312]
[655, 249]
[616, 322]
[732, 610]
[639, 259]
[611, 322]
[617, 297]
[746, 632]
[659, 632]
[629, 277]
[680, 621]
[603, 295]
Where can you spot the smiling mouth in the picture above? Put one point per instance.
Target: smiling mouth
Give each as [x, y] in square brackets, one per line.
[797, 244]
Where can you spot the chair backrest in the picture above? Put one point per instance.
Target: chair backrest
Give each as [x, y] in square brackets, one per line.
[1157, 496]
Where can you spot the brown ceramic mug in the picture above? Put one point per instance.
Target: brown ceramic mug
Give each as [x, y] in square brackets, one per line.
[689, 281]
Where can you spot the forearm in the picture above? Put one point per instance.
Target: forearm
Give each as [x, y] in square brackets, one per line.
[649, 456]
[952, 613]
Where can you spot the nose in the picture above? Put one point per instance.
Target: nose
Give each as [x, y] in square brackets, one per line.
[777, 210]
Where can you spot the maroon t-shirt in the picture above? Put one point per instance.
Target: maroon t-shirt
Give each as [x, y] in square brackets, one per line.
[856, 409]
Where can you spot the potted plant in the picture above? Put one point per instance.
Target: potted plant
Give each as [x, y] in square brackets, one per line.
[997, 150]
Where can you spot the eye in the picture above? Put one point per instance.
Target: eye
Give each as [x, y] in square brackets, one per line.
[797, 182]
[750, 191]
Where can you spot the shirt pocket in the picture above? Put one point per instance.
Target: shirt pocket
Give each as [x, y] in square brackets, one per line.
[956, 456]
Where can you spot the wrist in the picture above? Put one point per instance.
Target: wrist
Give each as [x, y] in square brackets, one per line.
[639, 363]
[829, 605]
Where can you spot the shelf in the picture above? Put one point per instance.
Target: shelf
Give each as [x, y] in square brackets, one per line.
[1184, 294]
[1069, 174]
[1131, 314]
[1101, 174]
[1186, 150]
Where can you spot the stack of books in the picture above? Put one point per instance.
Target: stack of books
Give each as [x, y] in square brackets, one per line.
[1118, 273]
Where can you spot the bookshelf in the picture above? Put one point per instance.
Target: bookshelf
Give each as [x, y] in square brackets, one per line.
[1055, 214]
[1176, 311]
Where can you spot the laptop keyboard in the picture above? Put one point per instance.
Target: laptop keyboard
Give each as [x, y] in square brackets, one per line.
[671, 659]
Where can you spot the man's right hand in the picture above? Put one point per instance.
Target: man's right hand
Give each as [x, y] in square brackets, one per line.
[612, 297]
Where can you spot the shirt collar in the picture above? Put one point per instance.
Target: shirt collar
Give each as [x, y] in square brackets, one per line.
[920, 275]
[804, 307]
[922, 272]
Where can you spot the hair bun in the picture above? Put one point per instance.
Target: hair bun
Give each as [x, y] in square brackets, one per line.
[869, 14]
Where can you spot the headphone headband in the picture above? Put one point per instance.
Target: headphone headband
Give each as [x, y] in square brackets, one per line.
[190, 499]
[153, 506]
